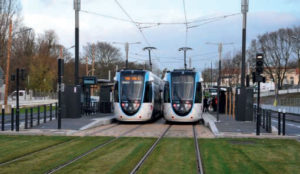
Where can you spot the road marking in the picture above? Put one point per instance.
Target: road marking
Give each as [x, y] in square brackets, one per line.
[289, 124]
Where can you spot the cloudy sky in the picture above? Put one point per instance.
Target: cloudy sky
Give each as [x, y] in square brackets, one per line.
[96, 25]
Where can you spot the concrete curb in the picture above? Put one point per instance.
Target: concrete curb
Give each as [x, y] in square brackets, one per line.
[274, 130]
[98, 122]
[253, 135]
[209, 121]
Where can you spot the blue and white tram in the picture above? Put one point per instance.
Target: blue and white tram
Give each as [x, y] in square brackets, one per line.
[138, 96]
[183, 96]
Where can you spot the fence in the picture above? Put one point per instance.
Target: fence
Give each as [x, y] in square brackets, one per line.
[265, 118]
[285, 91]
[28, 117]
[289, 109]
[266, 122]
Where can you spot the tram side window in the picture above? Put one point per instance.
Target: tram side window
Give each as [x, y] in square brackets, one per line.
[166, 93]
[116, 92]
[148, 93]
[198, 98]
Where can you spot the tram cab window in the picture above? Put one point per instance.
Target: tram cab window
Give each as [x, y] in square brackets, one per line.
[198, 97]
[167, 93]
[116, 92]
[148, 93]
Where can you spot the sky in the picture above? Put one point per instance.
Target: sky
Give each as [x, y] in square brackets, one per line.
[263, 16]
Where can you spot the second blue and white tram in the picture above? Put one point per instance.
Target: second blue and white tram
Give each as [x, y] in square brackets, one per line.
[183, 96]
[138, 96]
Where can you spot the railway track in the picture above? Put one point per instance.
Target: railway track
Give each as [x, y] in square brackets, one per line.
[34, 152]
[90, 151]
[140, 163]
[197, 150]
[101, 130]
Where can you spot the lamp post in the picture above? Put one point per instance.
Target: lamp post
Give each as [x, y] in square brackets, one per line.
[244, 9]
[149, 51]
[184, 49]
[126, 44]
[242, 93]
[77, 5]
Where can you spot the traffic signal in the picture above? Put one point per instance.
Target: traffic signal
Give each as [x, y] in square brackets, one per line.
[259, 63]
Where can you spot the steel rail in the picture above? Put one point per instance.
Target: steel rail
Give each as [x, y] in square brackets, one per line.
[140, 163]
[89, 152]
[198, 155]
[37, 151]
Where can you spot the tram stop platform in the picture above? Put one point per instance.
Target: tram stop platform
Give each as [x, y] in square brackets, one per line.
[69, 126]
[82, 123]
[227, 126]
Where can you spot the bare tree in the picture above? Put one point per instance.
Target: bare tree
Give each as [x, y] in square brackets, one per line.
[277, 47]
[9, 9]
[296, 48]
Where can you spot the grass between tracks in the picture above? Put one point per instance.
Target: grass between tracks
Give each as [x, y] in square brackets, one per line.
[119, 157]
[172, 155]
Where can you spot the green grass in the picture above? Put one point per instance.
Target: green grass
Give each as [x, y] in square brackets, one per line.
[119, 157]
[12, 147]
[44, 161]
[35, 110]
[172, 155]
[250, 156]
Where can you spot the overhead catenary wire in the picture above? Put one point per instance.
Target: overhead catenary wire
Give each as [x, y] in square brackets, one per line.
[106, 16]
[211, 20]
[131, 19]
[145, 25]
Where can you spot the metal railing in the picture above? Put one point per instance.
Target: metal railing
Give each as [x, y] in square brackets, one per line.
[289, 109]
[29, 117]
[266, 116]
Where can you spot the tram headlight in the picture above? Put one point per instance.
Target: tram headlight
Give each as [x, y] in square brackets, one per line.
[176, 106]
[136, 105]
[187, 106]
[124, 105]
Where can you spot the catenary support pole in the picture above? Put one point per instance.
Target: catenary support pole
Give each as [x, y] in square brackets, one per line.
[77, 4]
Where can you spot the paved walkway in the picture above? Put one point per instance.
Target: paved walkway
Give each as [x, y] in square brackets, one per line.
[74, 123]
[229, 124]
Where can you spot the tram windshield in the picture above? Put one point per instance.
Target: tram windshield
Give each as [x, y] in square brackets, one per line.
[132, 85]
[183, 87]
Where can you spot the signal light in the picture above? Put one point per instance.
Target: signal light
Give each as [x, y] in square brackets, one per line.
[259, 63]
